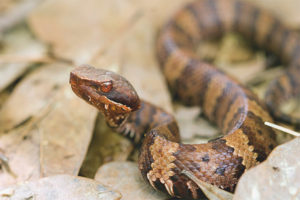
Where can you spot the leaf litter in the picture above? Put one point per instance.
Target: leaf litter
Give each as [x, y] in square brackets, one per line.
[48, 129]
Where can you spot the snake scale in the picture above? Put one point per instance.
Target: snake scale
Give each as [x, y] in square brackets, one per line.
[239, 114]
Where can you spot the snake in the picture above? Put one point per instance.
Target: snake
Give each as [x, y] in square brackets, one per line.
[233, 107]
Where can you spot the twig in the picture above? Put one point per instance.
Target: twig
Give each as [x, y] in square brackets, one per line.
[4, 162]
[286, 130]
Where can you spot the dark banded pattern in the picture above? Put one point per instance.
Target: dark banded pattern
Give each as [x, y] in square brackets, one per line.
[235, 109]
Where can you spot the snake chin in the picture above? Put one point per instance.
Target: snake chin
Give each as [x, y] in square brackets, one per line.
[115, 121]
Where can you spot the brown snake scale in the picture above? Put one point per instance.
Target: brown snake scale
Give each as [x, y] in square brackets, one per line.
[234, 108]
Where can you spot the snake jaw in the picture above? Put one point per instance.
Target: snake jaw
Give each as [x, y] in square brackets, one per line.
[115, 121]
[115, 113]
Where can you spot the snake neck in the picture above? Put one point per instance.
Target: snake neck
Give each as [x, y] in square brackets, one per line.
[148, 117]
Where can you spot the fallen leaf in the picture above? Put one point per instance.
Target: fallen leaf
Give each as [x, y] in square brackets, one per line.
[191, 125]
[126, 178]
[211, 192]
[65, 134]
[60, 187]
[20, 146]
[276, 178]
[17, 43]
[106, 146]
[13, 12]
[32, 94]
[55, 138]
[81, 42]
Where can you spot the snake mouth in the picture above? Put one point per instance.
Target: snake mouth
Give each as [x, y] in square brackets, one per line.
[124, 100]
[114, 113]
[112, 106]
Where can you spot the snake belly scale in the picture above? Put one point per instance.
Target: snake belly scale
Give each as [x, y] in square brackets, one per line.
[239, 114]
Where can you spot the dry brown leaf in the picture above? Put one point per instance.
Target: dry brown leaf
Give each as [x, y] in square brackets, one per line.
[126, 178]
[60, 187]
[16, 44]
[276, 178]
[56, 137]
[65, 133]
[191, 125]
[18, 148]
[32, 94]
[106, 146]
[212, 192]
[13, 12]
[81, 34]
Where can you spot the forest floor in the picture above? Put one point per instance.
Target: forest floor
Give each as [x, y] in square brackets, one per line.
[50, 139]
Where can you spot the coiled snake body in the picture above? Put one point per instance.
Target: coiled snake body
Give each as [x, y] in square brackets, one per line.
[235, 109]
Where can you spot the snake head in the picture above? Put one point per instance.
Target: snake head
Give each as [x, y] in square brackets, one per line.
[109, 92]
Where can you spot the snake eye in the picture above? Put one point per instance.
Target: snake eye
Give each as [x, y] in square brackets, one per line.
[106, 86]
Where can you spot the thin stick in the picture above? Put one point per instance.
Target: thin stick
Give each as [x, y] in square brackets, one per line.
[4, 162]
[286, 130]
